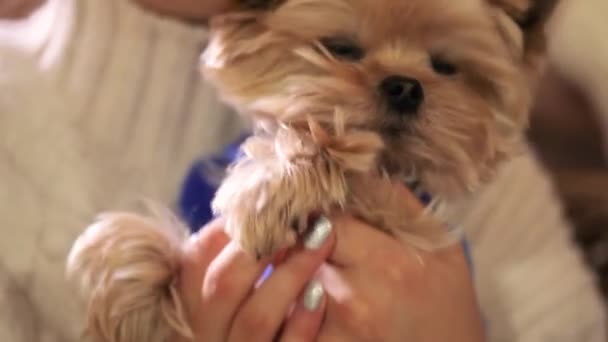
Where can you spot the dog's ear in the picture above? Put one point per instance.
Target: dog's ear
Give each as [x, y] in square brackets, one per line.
[524, 24]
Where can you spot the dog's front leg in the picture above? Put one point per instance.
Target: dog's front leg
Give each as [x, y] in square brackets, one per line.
[270, 192]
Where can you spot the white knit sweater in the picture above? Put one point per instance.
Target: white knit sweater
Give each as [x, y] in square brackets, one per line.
[101, 104]
[531, 280]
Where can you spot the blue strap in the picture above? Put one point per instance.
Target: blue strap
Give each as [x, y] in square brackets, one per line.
[201, 183]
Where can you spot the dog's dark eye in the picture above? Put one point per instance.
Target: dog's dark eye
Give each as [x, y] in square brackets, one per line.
[443, 67]
[343, 49]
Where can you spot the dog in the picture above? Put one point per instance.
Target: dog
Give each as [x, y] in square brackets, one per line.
[343, 95]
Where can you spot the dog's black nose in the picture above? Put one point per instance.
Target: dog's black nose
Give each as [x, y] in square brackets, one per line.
[403, 94]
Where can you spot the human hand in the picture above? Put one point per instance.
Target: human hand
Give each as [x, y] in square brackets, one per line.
[196, 10]
[218, 286]
[17, 9]
[379, 290]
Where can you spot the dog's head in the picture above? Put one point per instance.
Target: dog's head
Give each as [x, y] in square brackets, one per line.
[446, 85]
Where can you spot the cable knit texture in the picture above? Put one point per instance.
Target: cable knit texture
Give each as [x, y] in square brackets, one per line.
[532, 282]
[101, 104]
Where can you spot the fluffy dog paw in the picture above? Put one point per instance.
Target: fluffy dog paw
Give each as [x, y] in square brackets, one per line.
[275, 188]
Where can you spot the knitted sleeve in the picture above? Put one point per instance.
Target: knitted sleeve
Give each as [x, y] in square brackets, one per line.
[101, 104]
[532, 282]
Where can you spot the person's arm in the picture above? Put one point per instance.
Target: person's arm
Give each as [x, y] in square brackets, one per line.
[531, 278]
[16, 9]
[195, 10]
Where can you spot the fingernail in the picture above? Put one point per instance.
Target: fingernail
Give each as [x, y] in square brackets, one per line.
[313, 296]
[320, 232]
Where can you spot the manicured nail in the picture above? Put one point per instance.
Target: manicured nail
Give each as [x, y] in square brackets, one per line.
[313, 296]
[320, 232]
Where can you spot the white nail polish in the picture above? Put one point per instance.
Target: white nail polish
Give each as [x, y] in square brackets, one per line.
[313, 296]
[320, 232]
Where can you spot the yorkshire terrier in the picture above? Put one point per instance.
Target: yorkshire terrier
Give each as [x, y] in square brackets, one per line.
[343, 94]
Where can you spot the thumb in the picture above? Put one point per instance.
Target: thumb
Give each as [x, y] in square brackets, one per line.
[304, 323]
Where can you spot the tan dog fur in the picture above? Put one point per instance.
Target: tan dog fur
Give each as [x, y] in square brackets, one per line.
[326, 139]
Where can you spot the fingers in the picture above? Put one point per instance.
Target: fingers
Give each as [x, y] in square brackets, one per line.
[356, 241]
[199, 251]
[305, 321]
[262, 315]
[229, 280]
